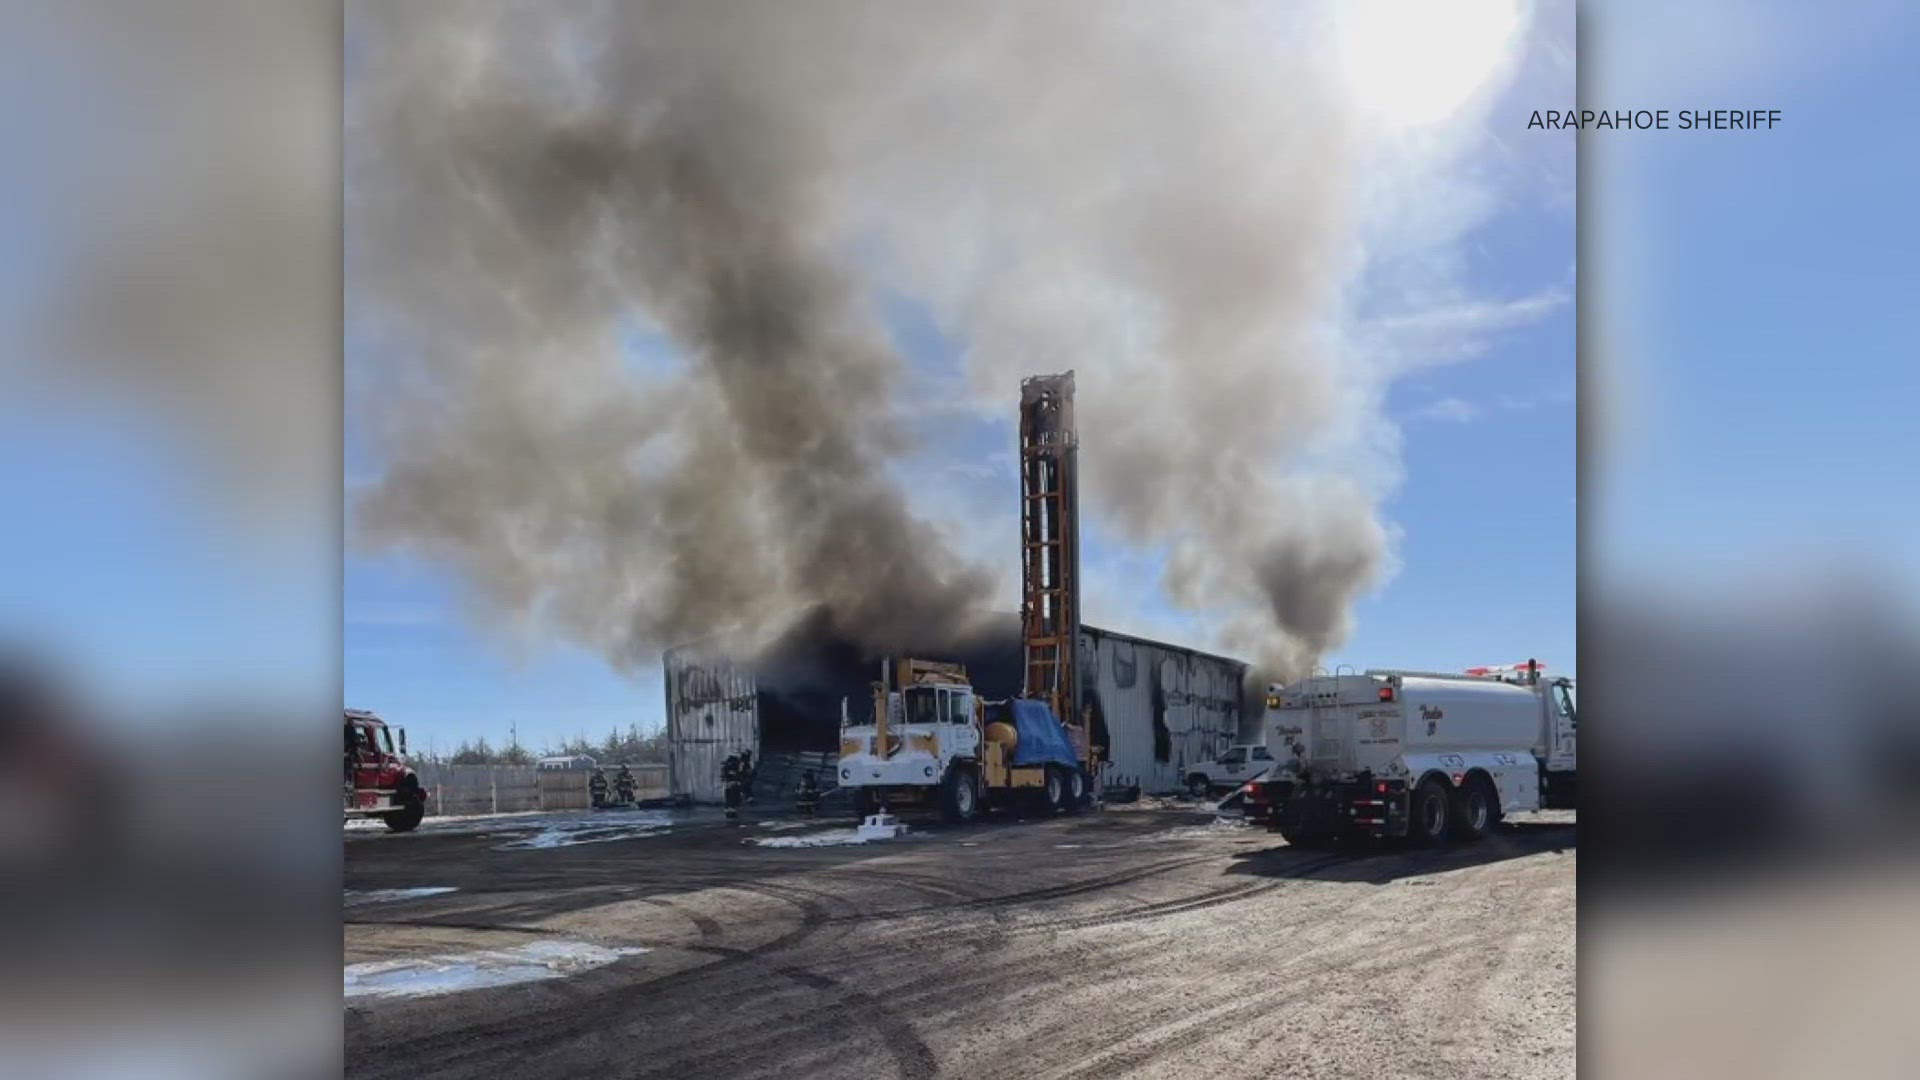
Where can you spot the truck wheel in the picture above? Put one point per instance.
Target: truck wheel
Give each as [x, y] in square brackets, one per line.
[1430, 813]
[1055, 791]
[1472, 810]
[959, 795]
[1076, 791]
[408, 818]
[1198, 787]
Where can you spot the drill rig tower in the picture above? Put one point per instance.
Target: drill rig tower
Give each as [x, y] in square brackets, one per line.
[1050, 550]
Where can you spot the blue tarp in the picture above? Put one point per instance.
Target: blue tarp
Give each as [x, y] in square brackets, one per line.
[1042, 740]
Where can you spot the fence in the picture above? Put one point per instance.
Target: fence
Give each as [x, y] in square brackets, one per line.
[506, 789]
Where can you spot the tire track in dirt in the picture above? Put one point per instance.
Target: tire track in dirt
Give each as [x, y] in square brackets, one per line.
[500, 1038]
[1173, 1027]
[1045, 893]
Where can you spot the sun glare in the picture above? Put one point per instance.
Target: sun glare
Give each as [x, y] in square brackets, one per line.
[1414, 62]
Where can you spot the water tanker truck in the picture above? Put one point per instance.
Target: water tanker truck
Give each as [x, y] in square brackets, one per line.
[1428, 756]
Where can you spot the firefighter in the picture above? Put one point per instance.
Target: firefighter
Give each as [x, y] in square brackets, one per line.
[731, 774]
[597, 785]
[746, 773]
[353, 745]
[623, 784]
[808, 799]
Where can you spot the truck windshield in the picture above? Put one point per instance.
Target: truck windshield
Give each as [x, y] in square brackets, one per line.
[1564, 692]
[922, 705]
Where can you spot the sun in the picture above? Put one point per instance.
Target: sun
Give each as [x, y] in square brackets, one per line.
[1410, 63]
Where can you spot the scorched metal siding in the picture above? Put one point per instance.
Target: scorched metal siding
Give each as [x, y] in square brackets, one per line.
[1164, 707]
[712, 711]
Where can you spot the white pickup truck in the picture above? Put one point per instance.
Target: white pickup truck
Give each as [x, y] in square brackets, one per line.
[1231, 769]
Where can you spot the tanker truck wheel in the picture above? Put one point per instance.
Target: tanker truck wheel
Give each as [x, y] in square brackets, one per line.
[408, 818]
[1431, 813]
[1472, 810]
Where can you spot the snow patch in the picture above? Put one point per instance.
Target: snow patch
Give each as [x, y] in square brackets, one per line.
[1220, 826]
[834, 838]
[592, 831]
[431, 975]
[382, 896]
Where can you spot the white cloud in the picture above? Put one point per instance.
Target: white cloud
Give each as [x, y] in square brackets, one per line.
[1451, 409]
[1450, 332]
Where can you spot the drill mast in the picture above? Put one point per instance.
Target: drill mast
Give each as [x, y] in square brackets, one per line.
[1050, 548]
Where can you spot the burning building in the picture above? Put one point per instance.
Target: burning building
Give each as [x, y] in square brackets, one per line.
[1157, 707]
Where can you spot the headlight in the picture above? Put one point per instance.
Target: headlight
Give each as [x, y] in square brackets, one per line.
[846, 774]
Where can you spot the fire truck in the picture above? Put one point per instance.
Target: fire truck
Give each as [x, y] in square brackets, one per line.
[378, 782]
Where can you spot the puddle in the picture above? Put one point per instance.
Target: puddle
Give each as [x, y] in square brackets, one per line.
[432, 975]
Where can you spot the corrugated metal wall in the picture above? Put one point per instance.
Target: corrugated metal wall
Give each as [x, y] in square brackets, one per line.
[711, 712]
[1164, 707]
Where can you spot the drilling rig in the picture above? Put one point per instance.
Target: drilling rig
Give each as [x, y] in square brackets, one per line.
[1050, 553]
[932, 739]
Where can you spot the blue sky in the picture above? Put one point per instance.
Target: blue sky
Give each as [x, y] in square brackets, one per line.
[1759, 356]
[1478, 320]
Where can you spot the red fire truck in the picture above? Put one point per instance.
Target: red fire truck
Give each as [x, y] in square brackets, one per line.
[378, 782]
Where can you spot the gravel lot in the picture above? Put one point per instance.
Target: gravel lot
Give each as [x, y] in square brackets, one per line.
[1153, 941]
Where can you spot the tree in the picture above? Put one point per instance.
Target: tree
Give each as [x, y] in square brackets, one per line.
[473, 753]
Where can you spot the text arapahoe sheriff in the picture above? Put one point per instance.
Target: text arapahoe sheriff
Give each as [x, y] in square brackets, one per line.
[1656, 119]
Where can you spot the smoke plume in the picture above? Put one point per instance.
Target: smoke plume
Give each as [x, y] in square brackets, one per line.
[612, 270]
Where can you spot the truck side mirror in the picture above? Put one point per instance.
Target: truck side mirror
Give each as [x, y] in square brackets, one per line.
[402, 732]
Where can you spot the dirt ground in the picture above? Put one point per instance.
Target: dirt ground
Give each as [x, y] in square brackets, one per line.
[1151, 941]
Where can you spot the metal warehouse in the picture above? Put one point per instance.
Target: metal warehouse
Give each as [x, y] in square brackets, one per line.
[1157, 707]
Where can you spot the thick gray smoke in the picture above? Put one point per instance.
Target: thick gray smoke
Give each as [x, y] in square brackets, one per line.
[610, 272]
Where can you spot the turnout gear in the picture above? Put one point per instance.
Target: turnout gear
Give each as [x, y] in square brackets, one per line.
[623, 785]
[732, 776]
[807, 799]
[597, 787]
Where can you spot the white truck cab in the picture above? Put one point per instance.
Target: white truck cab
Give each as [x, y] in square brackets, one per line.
[933, 741]
[1248, 761]
[928, 727]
